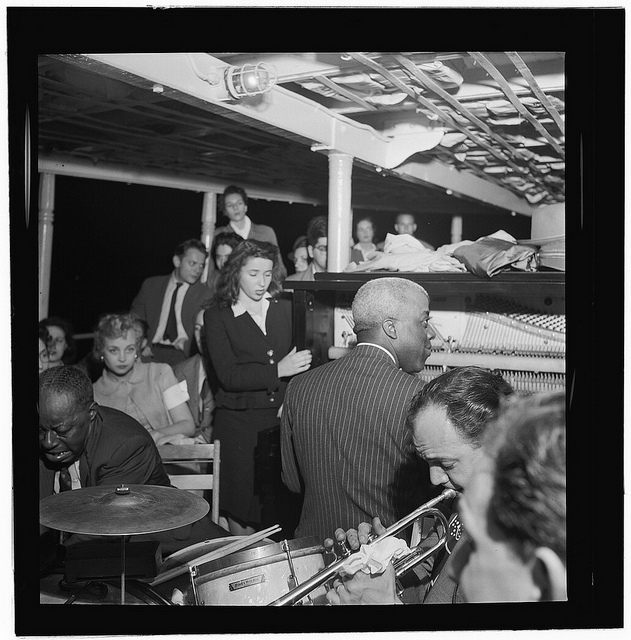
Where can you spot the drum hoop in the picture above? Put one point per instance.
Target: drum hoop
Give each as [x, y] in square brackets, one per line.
[263, 551]
[221, 572]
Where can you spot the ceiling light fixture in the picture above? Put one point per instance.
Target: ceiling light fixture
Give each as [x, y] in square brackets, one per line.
[249, 80]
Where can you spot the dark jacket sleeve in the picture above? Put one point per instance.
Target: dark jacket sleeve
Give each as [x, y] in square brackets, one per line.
[134, 461]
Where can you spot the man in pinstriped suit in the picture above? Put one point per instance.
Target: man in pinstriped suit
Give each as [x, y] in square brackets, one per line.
[343, 423]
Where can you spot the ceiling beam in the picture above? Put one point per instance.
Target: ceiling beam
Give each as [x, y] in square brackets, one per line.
[68, 166]
[465, 183]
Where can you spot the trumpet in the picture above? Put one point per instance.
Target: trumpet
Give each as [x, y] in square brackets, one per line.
[401, 566]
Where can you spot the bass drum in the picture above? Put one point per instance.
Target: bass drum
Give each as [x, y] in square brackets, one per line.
[261, 575]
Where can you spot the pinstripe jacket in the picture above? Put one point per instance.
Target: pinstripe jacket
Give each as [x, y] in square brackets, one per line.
[342, 442]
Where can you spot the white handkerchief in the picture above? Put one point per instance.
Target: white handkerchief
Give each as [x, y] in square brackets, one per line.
[374, 558]
[176, 395]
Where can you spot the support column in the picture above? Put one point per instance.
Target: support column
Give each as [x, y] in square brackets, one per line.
[45, 238]
[209, 221]
[340, 215]
[456, 229]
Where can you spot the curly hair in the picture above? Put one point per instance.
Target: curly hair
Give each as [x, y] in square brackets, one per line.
[66, 380]
[526, 443]
[228, 285]
[470, 395]
[66, 327]
[117, 325]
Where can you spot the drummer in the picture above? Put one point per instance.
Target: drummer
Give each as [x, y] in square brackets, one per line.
[83, 444]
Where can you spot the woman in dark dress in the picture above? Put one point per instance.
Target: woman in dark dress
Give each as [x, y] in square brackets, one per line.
[248, 332]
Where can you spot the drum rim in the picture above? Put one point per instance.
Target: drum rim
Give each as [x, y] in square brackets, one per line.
[269, 553]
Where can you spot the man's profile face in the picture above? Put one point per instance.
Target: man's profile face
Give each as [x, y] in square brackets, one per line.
[63, 428]
[451, 458]
[405, 224]
[319, 252]
[190, 266]
[413, 344]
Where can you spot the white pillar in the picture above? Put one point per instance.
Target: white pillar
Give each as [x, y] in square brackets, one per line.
[340, 215]
[45, 238]
[456, 229]
[209, 220]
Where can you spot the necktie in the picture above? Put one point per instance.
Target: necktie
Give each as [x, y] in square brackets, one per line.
[65, 481]
[170, 333]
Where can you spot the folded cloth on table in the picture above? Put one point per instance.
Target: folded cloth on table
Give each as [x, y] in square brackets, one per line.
[402, 243]
[490, 255]
[425, 261]
[374, 558]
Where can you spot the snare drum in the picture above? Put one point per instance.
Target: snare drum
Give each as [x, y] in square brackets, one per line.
[261, 575]
[187, 556]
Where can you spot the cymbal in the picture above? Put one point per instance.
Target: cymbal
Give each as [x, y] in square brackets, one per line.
[110, 510]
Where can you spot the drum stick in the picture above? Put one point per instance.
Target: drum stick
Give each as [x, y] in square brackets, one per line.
[217, 553]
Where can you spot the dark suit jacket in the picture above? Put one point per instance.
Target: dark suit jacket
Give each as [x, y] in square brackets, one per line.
[118, 450]
[189, 370]
[244, 360]
[148, 303]
[343, 441]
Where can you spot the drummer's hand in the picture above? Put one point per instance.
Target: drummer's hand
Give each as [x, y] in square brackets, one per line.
[365, 588]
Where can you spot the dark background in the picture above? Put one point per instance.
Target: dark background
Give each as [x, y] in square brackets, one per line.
[109, 236]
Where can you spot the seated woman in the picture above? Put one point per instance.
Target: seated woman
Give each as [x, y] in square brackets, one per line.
[147, 391]
[61, 348]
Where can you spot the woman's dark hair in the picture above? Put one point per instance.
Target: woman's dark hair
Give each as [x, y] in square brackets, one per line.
[228, 284]
[228, 238]
[66, 327]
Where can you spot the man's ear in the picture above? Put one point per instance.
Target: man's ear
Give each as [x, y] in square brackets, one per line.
[310, 251]
[414, 228]
[549, 575]
[92, 412]
[389, 328]
[177, 261]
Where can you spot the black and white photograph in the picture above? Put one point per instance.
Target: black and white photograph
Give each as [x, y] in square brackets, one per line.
[306, 337]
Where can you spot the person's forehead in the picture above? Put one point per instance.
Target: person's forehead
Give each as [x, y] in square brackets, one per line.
[322, 240]
[434, 434]
[194, 254]
[233, 198]
[55, 330]
[223, 249]
[128, 338]
[57, 404]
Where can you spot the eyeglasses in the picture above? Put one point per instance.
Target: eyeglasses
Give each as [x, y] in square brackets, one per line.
[321, 247]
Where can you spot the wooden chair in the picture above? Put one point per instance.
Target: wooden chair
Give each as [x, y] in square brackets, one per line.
[177, 457]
